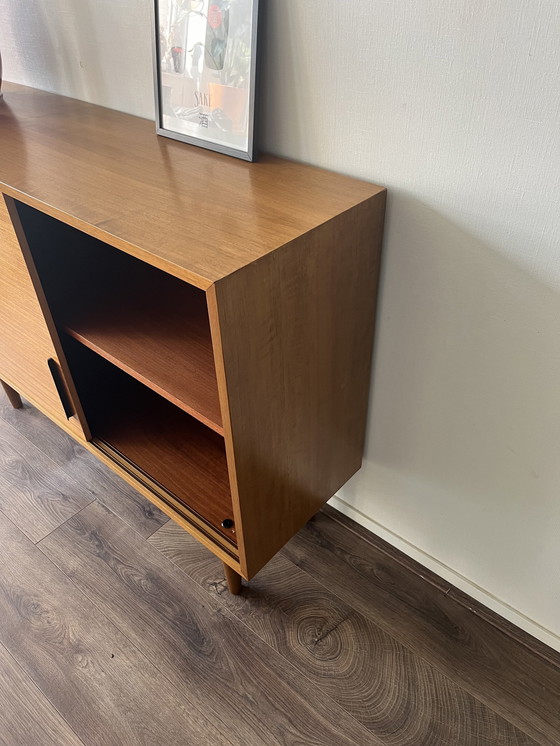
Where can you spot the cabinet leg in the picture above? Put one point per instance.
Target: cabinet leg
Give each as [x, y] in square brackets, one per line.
[233, 580]
[13, 396]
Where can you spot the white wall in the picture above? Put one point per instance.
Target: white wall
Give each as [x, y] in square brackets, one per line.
[96, 50]
[455, 107]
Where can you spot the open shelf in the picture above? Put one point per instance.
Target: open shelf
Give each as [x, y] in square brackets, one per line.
[166, 444]
[159, 336]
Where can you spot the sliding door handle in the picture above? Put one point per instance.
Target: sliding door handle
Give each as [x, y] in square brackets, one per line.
[62, 389]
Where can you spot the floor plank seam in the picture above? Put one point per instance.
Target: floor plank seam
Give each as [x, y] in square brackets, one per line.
[63, 523]
[149, 536]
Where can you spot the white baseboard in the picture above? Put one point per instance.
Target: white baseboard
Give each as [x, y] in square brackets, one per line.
[459, 581]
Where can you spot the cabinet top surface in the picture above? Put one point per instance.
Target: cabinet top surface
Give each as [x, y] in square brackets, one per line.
[199, 214]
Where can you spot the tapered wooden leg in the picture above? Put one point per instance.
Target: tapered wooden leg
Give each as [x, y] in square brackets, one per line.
[13, 396]
[233, 580]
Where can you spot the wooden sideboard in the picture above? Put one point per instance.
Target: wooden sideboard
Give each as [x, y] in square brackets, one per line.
[203, 325]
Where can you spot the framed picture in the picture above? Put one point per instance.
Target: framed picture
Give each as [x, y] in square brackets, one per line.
[205, 59]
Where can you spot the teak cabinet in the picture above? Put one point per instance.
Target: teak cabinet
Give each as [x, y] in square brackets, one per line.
[201, 324]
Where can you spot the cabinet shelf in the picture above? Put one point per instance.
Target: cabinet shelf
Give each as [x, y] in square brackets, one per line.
[182, 455]
[173, 449]
[149, 323]
[163, 342]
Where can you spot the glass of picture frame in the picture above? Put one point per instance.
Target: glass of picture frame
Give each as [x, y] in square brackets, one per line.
[205, 63]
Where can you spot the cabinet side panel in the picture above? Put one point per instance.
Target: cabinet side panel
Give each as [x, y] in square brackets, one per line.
[25, 342]
[297, 333]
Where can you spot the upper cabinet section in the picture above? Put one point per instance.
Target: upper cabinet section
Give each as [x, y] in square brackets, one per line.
[150, 324]
[193, 213]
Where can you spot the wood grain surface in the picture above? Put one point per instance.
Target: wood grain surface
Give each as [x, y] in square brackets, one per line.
[194, 213]
[407, 565]
[345, 655]
[522, 687]
[296, 336]
[67, 456]
[28, 718]
[174, 449]
[95, 677]
[160, 335]
[57, 365]
[25, 344]
[254, 694]
[35, 493]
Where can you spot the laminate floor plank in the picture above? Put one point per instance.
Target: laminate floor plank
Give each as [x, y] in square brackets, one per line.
[67, 454]
[35, 493]
[397, 695]
[27, 717]
[520, 686]
[99, 682]
[236, 680]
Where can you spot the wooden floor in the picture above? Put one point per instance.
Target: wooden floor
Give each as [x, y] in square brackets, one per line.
[116, 629]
